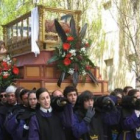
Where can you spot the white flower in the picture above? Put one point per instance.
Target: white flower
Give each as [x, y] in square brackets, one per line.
[71, 58]
[84, 41]
[7, 59]
[83, 72]
[73, 52]
[64, 54]
[4, 59]
[83, 49]
[71, 71]
[9, 62]
[5, 73]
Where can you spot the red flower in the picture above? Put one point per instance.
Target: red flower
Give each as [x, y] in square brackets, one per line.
[67, 30]
[4, 65]
[16, 70]
[5, 76]
[88, 67]
[10, 66]
[68, 55]
[70, 38]
[67, 61]
[87, 44]
[14, 59]
[66, 46]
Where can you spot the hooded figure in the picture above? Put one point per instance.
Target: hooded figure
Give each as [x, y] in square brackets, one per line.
[130, 117]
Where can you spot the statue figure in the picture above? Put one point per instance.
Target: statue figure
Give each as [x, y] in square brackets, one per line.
[3, 50]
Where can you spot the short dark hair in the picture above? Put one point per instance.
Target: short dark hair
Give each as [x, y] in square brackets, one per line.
[40, 91]
[2, 90]
[31, 91]
[23, 92]
[69, 89]
[84, 96]
[117, 91]
[18, 91]
[132, 92]
[126, 89]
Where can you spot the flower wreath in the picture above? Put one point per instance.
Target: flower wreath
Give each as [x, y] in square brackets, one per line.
[71, 55]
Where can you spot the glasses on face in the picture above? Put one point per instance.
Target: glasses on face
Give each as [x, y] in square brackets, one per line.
[1, 96]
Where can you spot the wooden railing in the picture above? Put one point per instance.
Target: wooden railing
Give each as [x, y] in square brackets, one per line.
[17, 33]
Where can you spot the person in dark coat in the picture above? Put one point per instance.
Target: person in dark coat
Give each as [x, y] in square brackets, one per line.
[93, 123]
[83, 115]
[17, 94]
[17, 122]
[110, 116]
[127, 89]
[3, 97]
[71, 93]
[48, 123]
[11, 101]
[117, 96]
[131, 116]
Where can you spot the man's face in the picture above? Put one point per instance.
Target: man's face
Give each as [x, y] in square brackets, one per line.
[137, 95]
[25, 99]
[3, 97]
[11, 99]
[72, 97]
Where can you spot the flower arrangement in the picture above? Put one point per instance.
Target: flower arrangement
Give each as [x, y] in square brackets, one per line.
[72, 54]
[8, 71]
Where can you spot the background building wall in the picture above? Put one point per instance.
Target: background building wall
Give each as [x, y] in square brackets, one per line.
[113, 63]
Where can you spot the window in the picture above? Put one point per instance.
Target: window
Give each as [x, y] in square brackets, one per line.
[109, 72]
[109, 62]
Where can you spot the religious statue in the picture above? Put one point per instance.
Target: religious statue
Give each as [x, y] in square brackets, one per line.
[3, 50]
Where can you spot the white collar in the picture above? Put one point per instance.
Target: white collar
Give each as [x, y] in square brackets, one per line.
[46, 110]
[15, 103]
[137, 112]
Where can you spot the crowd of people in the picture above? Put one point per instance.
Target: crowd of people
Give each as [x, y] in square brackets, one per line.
[40, 115]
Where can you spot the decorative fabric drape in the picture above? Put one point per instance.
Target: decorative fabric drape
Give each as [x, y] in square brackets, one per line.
[34, 31]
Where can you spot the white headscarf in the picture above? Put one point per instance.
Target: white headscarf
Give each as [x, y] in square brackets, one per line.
[11, 89]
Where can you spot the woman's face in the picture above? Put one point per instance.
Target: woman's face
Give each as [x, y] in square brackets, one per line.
[88, 103]
[2, 46]
[32, 100]
[137, 95]
[44, 100]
